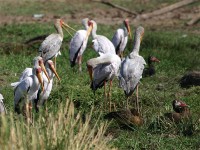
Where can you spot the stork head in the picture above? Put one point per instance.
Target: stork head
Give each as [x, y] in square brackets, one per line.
[60, 23]
[51, 66]
[41, 64]
[139, 32]
[126, 23]
[85, 23]
[91, 24]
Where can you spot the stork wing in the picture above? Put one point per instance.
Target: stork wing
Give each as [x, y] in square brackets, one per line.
[117, 39]
[76, 44]
[100, 74]
[103, 45]
[27, 72]
[50, 46]
[130, 74]
[21, 89]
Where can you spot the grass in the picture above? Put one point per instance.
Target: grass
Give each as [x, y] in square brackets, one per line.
[61, 127]
[61, 130]
[178, 54]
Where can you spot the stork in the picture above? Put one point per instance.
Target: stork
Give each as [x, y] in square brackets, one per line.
[78, 45]
[101, 44]
[50, 47]
[120, 38]
[103, 69]
[132, 68]
[26, 90]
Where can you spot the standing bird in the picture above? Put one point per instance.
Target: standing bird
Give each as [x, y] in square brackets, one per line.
[42, 97]
[132, 67]
[29, 71]
[101, 44]
[103, 69]
[27, 90]
[78, 45]
[150, 70]
[50, 47]
[2, 106]
[120, 38]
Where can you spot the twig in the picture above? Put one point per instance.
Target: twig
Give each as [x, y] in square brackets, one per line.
[194, 20]
[116, 6]
[167, 9]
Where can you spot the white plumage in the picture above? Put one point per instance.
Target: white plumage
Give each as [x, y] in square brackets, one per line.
[2, 106]
[78, 45]
[103, 69]
[29, 71]
[132, 66]
[50, 47]
[48, 85]
[120, 38]
[101, 44]
[27, 89]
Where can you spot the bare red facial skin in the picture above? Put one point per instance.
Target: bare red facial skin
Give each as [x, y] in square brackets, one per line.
[90, 23]
[39, 70]
[182, 104]
[61, 22]
[126, 22]
[40, 61]
[154, 59]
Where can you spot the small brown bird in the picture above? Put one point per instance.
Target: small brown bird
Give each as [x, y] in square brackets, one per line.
[126, 117]
[190, 79]
[150, 70]
[182, 112]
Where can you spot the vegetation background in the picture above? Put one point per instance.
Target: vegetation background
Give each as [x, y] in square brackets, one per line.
[60, 125]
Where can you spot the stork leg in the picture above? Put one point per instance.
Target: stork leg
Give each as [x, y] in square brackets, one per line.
[105, 96]
[137, 100]
[109, 95]
[55, 62]
[127, 105]
[80, 62]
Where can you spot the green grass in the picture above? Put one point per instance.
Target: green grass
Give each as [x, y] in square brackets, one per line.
[178, 54]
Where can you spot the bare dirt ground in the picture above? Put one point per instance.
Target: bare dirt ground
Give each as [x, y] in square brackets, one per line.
[176, 19]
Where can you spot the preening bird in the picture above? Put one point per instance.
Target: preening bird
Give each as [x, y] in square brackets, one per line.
[103, 69]
[78, 45]
[2, 106]
[120, 38]
[101, 44]
[132, 68]
[43, 96]
[50, 47]
[26, 90]
[150, 70]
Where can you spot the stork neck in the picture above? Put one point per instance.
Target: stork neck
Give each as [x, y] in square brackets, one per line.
[60, 31]
[94, 32]
[136, 44]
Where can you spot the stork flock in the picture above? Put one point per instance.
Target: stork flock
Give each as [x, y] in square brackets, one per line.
[35, 84]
